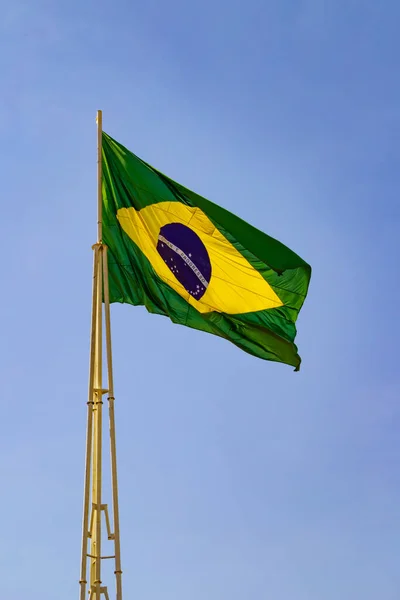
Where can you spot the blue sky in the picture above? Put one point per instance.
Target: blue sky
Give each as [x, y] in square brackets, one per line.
[238, 478]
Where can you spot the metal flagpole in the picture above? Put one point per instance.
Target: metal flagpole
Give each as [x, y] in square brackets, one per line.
[113, 448]
[95, 521]
[89, 433]
[91, 528]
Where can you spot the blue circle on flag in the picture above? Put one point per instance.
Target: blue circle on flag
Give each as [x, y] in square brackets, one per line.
[186, 257]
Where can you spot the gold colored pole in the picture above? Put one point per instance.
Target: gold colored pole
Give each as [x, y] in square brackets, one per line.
[95, 547]
[92, 505]
[95, 550]
[99, 120]
[113, 448]
[89, 432]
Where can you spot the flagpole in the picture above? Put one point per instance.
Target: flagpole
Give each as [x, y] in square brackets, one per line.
[113, 449]
[99, 121]
[92, 504]
[95, 547]
[89, 433]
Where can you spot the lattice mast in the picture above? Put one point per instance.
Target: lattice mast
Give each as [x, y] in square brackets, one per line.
[93, 507]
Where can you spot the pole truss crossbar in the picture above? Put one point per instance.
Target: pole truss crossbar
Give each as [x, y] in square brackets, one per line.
[103, 508]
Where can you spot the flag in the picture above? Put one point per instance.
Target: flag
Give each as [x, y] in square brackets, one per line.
[187, 258]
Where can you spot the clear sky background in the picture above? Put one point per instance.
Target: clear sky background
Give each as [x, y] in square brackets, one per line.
[239, 479]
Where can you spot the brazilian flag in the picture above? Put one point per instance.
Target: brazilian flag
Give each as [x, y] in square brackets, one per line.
[184, 257]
